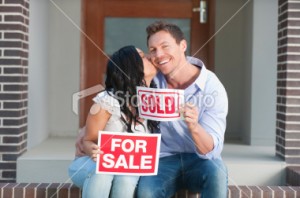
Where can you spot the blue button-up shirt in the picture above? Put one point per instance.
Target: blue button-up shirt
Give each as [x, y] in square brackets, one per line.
[209, 95]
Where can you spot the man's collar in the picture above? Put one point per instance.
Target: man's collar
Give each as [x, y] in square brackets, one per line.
[201, 80]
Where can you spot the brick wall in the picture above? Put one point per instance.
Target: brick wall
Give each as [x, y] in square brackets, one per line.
[61, 190]
[288, 83]
[14, 20]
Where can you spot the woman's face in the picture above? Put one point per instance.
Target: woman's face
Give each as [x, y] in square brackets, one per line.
[149, 69]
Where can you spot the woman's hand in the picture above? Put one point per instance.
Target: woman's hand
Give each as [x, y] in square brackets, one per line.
[91, 149]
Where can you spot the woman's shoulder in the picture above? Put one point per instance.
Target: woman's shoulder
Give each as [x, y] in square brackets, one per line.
[107, 101]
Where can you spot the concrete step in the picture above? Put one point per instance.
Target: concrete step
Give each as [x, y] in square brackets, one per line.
[247, 165]
[253, 165]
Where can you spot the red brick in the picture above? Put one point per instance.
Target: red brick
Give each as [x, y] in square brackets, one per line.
[256, 191]
[41, 190]
[234, 192]
[7, 192]
[245, 191]
[277, 191]
[52, 190]
[30, 190]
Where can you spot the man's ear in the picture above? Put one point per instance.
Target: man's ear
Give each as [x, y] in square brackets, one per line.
[183, 45]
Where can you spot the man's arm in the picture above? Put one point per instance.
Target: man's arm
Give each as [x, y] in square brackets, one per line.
[208, 130]
[203, 140]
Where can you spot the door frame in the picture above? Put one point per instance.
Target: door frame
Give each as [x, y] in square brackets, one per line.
[93, 14]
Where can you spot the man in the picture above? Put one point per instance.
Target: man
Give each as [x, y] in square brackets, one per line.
[190, 148]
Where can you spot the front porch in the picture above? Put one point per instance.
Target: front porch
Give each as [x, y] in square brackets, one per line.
[247, 165]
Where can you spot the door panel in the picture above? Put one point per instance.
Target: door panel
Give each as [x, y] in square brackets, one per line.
[99, 17]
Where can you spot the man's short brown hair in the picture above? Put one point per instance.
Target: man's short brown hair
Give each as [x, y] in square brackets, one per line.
[173, 29]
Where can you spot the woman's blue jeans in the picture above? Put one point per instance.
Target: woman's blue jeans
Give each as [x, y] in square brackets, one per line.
[82, 173]
[185, 170]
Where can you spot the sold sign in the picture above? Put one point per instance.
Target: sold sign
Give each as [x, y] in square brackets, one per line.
[160, 104]
[128, 153]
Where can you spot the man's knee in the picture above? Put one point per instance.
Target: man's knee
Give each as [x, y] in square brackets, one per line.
[148, 188]
[150, 192]
[217, 173]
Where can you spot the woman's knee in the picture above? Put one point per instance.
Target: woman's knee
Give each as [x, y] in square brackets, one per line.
[122, 181]
[80, 169]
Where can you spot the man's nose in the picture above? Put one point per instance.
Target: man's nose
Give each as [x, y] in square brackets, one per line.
[158, 53]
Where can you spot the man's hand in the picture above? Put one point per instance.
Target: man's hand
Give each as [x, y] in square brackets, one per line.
[79, 143]
[91, 149]
[85, 147]
[191, 115]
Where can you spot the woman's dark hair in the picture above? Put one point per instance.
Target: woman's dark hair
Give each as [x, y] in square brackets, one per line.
[125, 71]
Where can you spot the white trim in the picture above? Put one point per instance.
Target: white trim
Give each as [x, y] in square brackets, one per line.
[287, 148]
[289, 105]
[283, 5]
[289, 28]
[289, 45]
[295, 192]
[262, 192]
[289, 88]
[289, 62]
[289, 53]
[2, 190]
[284, 194]
[288, 79]
[291, 97]
[273, 192]
[288, 131]
[289, 114]
[294, 140]
[289, 122]
[290, 19]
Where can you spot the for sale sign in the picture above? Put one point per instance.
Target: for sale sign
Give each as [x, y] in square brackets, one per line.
[160, 104]
[128, 153]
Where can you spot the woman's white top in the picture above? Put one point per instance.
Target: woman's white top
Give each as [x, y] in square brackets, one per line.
[115, 123]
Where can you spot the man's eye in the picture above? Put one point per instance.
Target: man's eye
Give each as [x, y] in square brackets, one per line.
[152, 50]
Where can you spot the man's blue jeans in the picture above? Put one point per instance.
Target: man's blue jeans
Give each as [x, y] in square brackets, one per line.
[185, 170]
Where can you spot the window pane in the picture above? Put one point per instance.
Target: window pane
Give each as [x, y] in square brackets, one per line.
[132, 31]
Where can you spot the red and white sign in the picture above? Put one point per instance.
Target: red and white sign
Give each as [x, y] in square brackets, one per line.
[128, 153]
[160, 104]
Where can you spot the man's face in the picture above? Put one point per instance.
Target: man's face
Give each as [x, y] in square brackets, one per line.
[165, 53]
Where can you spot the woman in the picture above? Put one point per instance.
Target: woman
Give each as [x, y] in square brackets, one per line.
[115, 109]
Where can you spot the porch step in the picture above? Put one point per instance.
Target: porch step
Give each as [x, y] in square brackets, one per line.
[67, 190]
[247, 165]
[253, 165]
[47, 162]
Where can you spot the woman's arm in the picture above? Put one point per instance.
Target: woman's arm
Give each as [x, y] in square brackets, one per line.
[95, 122]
